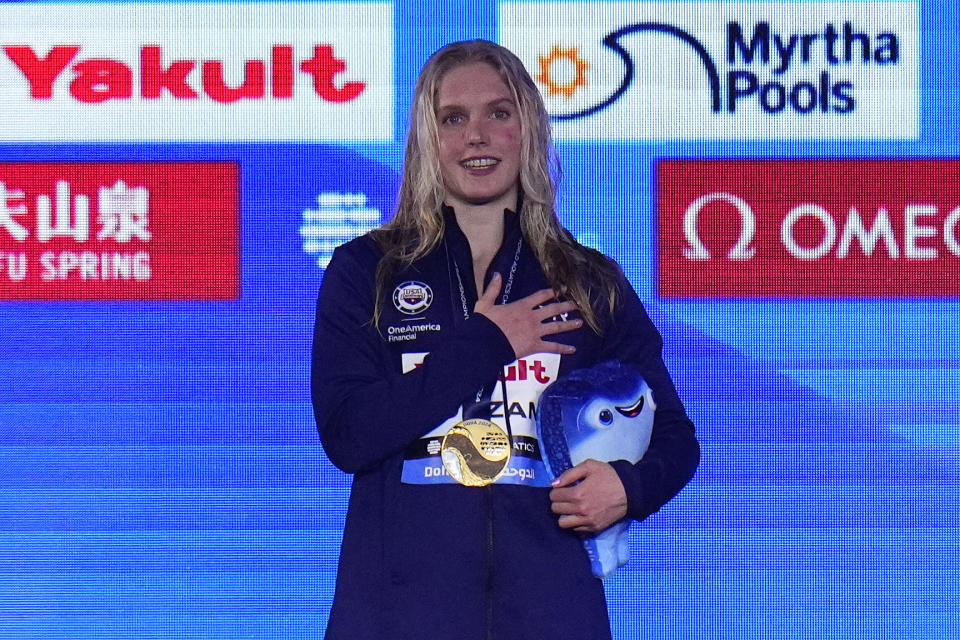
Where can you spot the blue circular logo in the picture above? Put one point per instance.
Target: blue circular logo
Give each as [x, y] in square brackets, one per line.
[412, 297]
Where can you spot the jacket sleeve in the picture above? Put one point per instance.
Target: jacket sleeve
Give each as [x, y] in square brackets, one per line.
[366, 409]
[673, 454]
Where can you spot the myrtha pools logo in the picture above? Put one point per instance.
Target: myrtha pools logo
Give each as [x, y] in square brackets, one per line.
[654, 70]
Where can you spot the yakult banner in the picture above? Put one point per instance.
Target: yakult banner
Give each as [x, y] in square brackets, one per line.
[722, 70]
[802, 228]
[167, 72]
[119, 231]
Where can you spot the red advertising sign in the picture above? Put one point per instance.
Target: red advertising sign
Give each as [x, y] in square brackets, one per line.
[817, 228]
[275, 70]
[119, 231]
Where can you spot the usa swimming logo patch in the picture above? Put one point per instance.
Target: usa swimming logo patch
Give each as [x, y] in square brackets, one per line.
[412, 297]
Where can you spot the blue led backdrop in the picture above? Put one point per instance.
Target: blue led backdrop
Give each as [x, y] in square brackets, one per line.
[174, 177]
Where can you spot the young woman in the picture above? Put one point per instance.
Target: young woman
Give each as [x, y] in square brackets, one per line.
[448, 322]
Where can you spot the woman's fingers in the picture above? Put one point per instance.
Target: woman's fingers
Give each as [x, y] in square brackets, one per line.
[550, 328]
[489, 297]
[537, 298]
[546, 346]
[525, 321]
[548, 311]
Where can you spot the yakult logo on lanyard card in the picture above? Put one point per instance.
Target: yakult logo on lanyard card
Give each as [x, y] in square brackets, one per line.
[524, 380]
[197, 71]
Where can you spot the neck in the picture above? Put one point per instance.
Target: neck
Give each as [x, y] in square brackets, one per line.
[483, 228]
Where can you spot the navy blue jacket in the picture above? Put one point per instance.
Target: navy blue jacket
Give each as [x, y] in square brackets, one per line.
[425, 560]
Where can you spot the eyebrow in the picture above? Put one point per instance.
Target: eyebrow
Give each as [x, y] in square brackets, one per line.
[492, 103]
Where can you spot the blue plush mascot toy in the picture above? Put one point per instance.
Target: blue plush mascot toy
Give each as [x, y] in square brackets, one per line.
[605, 413]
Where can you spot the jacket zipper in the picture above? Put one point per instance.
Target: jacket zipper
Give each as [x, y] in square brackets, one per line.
[489, 562]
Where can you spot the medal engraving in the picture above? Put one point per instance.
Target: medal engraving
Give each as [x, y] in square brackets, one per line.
[475, 452]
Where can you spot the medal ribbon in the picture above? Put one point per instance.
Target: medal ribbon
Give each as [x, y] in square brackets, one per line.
[504, 298]
[468, 463]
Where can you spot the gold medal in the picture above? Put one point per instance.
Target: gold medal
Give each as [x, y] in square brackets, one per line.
[475, 452]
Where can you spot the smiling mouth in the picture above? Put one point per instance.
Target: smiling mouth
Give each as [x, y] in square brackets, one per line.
[479, 163]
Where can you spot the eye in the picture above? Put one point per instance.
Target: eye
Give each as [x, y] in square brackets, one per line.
[453, 119]
[501, 114]
[606, 416]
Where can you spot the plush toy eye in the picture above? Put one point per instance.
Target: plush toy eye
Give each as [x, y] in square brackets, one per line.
[606, 416]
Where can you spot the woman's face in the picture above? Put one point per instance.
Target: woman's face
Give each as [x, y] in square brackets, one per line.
[480, 137]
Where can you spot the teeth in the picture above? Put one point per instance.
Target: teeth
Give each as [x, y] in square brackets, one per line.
[479, 163]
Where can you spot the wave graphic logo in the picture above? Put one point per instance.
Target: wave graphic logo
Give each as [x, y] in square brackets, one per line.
[722, 70]
[612, 42]
[338, 218]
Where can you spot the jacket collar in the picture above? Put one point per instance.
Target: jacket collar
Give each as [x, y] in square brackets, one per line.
[511, 227]
[459, 247]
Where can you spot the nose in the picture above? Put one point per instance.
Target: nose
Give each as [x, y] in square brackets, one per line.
[476, 132]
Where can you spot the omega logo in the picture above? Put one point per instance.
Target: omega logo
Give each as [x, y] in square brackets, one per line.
[839, 236]
[695, 250]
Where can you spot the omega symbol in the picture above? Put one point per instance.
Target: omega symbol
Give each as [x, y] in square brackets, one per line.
[695, 250]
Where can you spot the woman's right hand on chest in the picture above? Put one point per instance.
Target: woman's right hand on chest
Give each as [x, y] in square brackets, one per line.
[526, 321]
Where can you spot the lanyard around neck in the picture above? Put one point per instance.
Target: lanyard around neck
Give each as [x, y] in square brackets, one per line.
[504, 298]
[507, 288]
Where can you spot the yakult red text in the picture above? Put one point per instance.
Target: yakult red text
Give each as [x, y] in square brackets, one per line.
[310, 71]
[96, 80]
